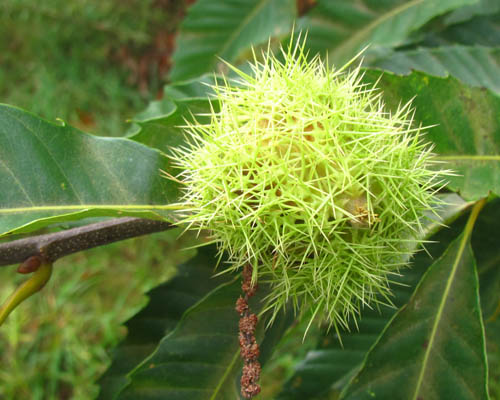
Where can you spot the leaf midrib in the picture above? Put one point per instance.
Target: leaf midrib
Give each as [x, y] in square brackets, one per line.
[81, 207]
[243, 23]
[224, 377]
[375, 23]
[463, 242]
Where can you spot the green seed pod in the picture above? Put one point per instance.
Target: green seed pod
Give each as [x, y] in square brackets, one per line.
[304, 175]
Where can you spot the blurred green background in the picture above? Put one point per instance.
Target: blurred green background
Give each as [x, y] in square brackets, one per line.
[93, 64]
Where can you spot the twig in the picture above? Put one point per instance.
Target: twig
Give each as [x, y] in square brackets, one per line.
[53, 246]
[249, 349]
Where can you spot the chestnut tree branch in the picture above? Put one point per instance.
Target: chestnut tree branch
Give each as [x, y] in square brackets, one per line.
[52, 246]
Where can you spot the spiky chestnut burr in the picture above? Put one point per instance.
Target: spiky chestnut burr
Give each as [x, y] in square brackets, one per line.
[304, 175]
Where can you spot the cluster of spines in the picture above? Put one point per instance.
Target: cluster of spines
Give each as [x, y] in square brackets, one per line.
[306, 177]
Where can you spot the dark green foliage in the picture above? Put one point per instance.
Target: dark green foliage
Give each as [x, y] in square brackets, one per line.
[434, 344]
[183, 345]
[467, 137]
[226, 29]
[80, 172]
[476, 66]
[191, 284]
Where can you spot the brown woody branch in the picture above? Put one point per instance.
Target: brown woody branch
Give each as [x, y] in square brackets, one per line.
[53, 246]
[249, 349]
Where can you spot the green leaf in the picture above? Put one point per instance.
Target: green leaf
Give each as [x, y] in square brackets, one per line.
[332, 364]
[434, 346]
[165, 132]
[226, 29]
[159, 126]
[199, 88]
[483, 7]
[467, 135]
[167, 303]
[200, 358]
[481, 30]
[487, 251]
[52, 173]
[473, 65]
[155, 110]
[344, 27]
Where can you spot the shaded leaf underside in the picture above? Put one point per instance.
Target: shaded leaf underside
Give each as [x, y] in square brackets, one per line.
[344, 27]
[226, 29]
[474, 65]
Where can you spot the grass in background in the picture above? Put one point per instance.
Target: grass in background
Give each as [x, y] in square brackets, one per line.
[74, 60]
[54, 346]
[60, 59]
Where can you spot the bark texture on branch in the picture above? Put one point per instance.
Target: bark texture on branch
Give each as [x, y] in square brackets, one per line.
[249, 349]
[53, 246]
